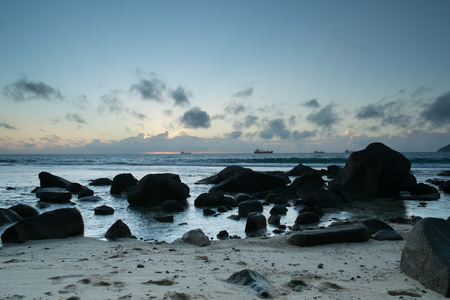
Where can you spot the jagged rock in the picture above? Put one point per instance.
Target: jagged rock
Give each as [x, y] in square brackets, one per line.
[104, 210]
[118, 230]
[249, 206]
[425, 254]
[155, 189]
[48, 180]
[213, 199]
[122, 182]
[313, 194]
[376, 171]
[253, 280]
[307, 218]
[337, 234]
[196, 237]
[53, 195]
[56, 224]
[101, 182]
[24, 211]
[8, 216]
[172, 206]
[256, 223]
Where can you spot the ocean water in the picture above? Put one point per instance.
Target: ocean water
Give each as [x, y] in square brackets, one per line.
[21, 172]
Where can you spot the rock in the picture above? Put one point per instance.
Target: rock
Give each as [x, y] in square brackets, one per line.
[249, 206]
[91, 199]
[172, 206]
[444, 149]
[24, 211]
[376, 225]
[274, 220]
[409, 182]
[8, 216]
[273, 197]
[53, 195]
[74, 188]
[300, 170]
[446, 187]
[223, 235]
[165, 219]
[333, 170]
[256, 223]
[222, 209]
[307, 218]
[49, 180]
[213, 199]
[241, 197]
[118, 230]
[377, 171]
[278, 209]
[387, 235]
[310, 177]
[336, 234]
[101, 182]
[155, 189]
[422, 197]
[122, 182]
[222, 175]
[341, 191]
[208, 212]
[444, 173]
[249, 181]
[85, 192]
[313, 194]
[253, 280]
[196, 237]
[425, 254]
[56, 224]
[422, 189]
[104, 210]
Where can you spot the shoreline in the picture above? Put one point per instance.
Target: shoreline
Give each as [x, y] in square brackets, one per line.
[86, 267]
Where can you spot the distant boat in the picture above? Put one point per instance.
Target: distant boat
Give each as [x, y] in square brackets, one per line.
[182, 152]
[317, 151]
[259, 151]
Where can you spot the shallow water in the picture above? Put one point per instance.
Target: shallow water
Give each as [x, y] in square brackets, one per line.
[21, 172]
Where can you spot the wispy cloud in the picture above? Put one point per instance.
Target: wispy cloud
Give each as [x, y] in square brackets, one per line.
[7, 126]
[234, 108]
[24, 90]
[196, 118]
[75, 118]
[244, 93]
[111, 103]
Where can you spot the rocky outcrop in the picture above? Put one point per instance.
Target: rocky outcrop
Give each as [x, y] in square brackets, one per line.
[330, 235]
[425, 254]
[444, 149]
[376, 171]
[122, 182]
[155, 189]
[118, 230]
[196, 237]
[56, 224]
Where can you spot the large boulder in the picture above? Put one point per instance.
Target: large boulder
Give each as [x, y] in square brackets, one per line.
[300, 170]
[49, 180]
[249, 206]
[213, 199]
[425, 256]
[101, 182]
[196, 237]
[256, 223]
[122, 182]
[55, 224]
[249, 181]
[8, 216]
[118, 230]
[314, 194]
[24, 211]
[154, 189]
[222, 175]
[330, 235]
[53, 195]
[377, 171]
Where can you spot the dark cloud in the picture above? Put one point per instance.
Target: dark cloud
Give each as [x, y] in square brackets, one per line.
[218, 117]
[244, 93]
[234, 134]
[7, 126]
[248, 122]
[313, 103]
[326, 117]
[234, 108]
[150, 89]
[371, 111]
[300, 135]
[438, 113]
[196, 118]
[275, 128]
[181, 96]
[292, 121]
[75, 118]
[25, 90]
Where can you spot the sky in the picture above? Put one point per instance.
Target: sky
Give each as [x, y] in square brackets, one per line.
[223, 76]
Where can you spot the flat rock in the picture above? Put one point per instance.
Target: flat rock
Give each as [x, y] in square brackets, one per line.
[336, 234]
[53, 195]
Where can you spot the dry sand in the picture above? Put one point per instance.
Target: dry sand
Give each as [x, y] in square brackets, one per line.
[88, 268]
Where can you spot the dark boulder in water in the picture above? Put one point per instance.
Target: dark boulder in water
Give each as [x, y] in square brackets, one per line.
[222, 175]
[56, 224]
[103, 210]
[173, 206]
[307, 217]
[300, 170]
[49, 180]
[256, 223]
[85, 192]
[8, 216]
[101, 182]
[155, 189]
[122, 182]
[313, 194]
[118, 230]
[213, 199]
[24, 211]
[249, 206]
[422, 189]
[53, 195]
[91, 199]
[376, 171]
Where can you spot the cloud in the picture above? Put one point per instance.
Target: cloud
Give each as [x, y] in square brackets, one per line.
[300, 135]
[438, 113]
[248, 122]
[81, 102]
[181, 96]
[313, 103]
[150, 89]
[138, 115]
[234, 108]
[7, 126]
[326, 117]
[234, 134]
[111, 104]
[196, 118]
[275, 128]
[420, 91]
[25, 90]
[399, 120]
[370, 111]
[244, 93]
[75, 118]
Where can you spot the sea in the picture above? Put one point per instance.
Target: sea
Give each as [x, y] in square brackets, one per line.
[20, 172]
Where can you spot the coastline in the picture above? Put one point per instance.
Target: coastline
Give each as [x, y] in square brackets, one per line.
[131, 269]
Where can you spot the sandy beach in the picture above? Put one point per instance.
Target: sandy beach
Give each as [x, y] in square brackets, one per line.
[88, 268]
